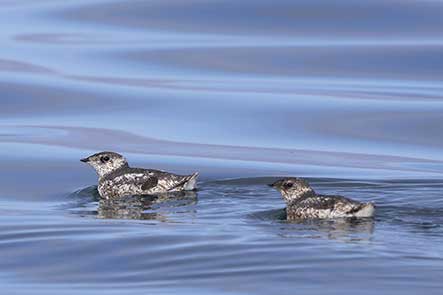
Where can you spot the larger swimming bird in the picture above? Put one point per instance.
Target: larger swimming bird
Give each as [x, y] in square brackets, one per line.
[303, 202]
[117, 179]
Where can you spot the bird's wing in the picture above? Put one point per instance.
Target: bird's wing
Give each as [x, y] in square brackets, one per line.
[178, 182]
[145, 181]
[339, 203]
[169, 181]
[149, 183]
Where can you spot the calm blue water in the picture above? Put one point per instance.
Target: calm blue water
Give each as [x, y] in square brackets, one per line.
[346, 93]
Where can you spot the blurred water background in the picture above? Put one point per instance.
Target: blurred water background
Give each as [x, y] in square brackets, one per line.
[347, 93]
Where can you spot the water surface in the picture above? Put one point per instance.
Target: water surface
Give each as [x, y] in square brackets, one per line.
[345, 93]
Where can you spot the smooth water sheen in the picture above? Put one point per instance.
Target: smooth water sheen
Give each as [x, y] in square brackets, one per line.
[346, 93]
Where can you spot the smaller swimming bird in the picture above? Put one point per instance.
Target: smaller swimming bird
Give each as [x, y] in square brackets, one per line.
[117, 179]
[303, 202]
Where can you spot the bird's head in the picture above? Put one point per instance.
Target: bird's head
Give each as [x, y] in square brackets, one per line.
[292, 188]
[106, 162]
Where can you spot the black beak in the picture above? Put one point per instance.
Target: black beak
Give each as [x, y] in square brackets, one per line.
[85, 160]
[276, 184]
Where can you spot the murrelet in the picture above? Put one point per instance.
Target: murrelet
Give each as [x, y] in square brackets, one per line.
[117, 179]
[303, 202]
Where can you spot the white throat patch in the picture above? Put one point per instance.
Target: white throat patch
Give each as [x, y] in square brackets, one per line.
[113, 164]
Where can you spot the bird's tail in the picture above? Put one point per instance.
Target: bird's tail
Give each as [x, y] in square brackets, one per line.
[367, 210]
[191, 182]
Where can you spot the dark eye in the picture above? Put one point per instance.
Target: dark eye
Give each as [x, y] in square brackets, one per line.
[289, 184]
[104, 159]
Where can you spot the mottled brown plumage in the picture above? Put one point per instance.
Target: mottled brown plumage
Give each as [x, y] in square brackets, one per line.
[302, 202]
[117, 179]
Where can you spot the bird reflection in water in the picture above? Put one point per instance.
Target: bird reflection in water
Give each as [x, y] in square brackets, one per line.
[146, 207]
[342, 229]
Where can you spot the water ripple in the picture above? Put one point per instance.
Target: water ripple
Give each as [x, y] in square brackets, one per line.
[346, 92]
